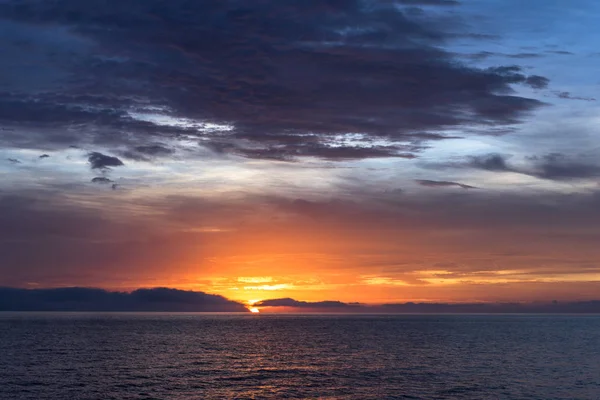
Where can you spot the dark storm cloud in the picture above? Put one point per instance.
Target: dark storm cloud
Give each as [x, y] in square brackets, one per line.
[86, 299]
[102, 161]
[272, 70]
[101, 179]
[441, 184]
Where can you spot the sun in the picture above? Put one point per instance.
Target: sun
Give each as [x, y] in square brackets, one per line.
[254, 310]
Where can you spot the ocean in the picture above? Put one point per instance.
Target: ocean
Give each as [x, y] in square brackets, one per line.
[233, 356]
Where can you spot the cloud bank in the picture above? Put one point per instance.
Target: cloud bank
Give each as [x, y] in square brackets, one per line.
[331, 79]
[86, 299]
[583, 307]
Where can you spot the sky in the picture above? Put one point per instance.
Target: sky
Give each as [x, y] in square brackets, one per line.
[373, 151]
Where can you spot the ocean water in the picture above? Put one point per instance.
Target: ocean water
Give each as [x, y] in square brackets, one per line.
[228, 356]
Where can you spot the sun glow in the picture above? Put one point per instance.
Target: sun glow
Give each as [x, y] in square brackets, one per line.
[254, 310]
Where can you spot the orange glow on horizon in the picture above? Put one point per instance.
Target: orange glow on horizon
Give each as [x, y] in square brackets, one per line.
[373, 267]
[254, 310]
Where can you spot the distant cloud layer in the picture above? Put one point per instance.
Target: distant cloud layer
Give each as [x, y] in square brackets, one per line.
[84, 299]
[173, 300]
[591, 307]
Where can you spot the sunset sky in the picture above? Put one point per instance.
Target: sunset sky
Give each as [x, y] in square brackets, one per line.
[369, 151]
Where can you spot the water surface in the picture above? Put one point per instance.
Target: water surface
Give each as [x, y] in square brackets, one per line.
[206, 356]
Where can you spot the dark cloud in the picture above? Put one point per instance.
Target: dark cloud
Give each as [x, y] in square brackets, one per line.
[438, 184]
[288, 79]
[525, 55]
[14, 161]
[561, 52]
[583, 307]
[537, 82]
[148, 153]
[44, 156]
[483, 55]
[479, 56]
[154, 150]
[569, 96]
[289, 153]
[428, 2]
[85, 299]
[101, 179]
[102, 161]
[287, 302]
[173, 300]
[557, 166]
[514, 74]
[553, 166]
[489, 162]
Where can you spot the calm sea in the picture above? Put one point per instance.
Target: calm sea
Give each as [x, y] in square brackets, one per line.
[226, 356]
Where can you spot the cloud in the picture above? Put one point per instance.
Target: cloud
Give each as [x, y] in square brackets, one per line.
[287, 302]
[13, 161]
[483, 55]
[428, 2]
[560, 52]
[555, 166]
[44, 156]
[489, 162]
[437, 308]
[276, 80]
[102, 161]
[149, 152]
[173, 300]
[101, 179]
[437, 184]
[569, 96]
[501, 308]
[86, 299]
[527, 55]
[537, 82]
